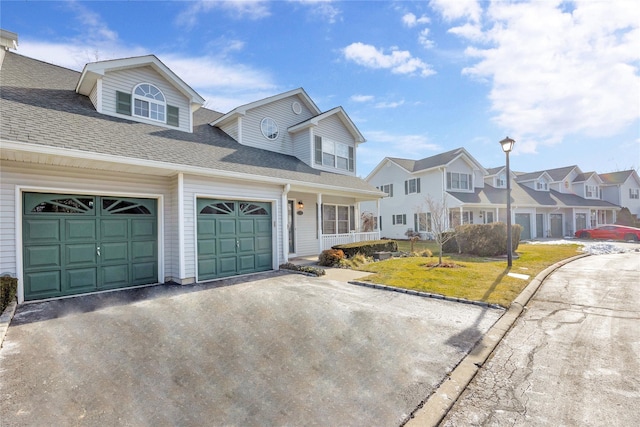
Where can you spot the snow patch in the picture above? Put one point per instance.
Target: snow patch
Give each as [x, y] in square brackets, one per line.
[593, 248]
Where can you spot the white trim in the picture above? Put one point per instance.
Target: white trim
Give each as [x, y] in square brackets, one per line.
[274, 229]
[181, 254]
[285, 222]
[173, 167]
[20, 189]
[99, 95]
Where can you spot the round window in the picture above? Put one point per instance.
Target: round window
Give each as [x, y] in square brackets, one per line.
[296, 107]
[269, 128]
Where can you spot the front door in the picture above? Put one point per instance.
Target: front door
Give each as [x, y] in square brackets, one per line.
[539, 225]
[525, 221]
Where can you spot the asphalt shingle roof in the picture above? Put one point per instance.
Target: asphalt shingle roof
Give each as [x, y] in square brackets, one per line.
[615, 177]
[428, 162]
[39, 105]
[526, 196]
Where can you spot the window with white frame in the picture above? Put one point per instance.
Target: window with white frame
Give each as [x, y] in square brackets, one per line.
[399, 219]
[412, 186]
[634, 193]
[454, 218]
[458, 181]
[149, 102]
[335, 219]
[387, 188]
[423, 222]
[334, 154]
[591, 191]
[501, 181]
[542, 185]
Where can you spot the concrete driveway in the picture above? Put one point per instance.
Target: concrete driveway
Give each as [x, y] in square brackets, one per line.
[275, 349]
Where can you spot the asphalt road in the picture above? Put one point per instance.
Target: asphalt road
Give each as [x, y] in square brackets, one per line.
[275, 349]
[571, 359]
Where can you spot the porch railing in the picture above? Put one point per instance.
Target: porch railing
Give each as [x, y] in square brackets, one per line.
[329, 240]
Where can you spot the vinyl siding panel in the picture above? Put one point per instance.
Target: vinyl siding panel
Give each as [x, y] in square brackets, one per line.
[281, 111]
[126, 80]
[231, 129]
[305, 225]
[93, 96]
[74, 180]
[333, 129]
[303, 146]
[195, 186]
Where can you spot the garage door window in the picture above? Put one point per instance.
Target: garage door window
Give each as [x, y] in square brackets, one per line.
[66, 205]
[124, 207]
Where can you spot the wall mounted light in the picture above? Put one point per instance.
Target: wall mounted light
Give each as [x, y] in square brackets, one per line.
[300, 205]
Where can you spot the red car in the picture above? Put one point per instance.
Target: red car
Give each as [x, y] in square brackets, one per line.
[619, 232]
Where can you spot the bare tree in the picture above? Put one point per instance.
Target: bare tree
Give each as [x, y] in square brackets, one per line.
[439, 222]
[368, 221]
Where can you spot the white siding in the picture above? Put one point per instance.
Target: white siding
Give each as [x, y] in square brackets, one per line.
[60, 180]
[93, 96]
[333, 129]
[231, 129]
[126, 80]
[195, 186]
[305, 225]
[303, 146]
[281, 111]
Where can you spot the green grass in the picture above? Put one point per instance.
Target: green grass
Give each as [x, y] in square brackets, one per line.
[478, 279]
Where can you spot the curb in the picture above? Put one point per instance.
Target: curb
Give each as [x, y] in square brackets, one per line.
[438, 404]
[5, 319]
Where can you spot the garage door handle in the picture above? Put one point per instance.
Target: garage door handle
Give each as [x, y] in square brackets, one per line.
[237, 243]
[98, 251]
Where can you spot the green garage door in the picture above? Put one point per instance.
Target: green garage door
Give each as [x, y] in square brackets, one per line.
[77, 244]
[234, 237]
[525, 221]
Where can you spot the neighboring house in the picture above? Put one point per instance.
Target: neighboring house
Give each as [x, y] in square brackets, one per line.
[623, 189]
[117, 177]
[551, 203]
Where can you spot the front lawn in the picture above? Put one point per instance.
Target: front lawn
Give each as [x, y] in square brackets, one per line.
[478, 279]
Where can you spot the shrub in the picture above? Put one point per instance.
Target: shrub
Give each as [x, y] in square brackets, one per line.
[367, 248]
[426, 253]
[486, 239]
[450, 245]
[354, 262]
[330, 257]
[8, 289]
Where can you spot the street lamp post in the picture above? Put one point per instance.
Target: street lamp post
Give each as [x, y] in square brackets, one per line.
[507, 146]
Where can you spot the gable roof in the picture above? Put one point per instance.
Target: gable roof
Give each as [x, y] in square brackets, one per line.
[44, 118]
[242, 110]
[495, 171]
[337, 111]
[524, 177]
[558, 174]
[94, 70]
[439, 160]
[613, 178]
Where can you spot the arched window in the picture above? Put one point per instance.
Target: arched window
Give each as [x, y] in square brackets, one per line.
[149, 102]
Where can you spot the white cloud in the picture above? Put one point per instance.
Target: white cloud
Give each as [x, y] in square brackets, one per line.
[575, 75]
[410, 20]
[398, 61]
[323, 8]
[424, 40]
[362, 98]
[238, 9]
[458, 9]
[395, 104]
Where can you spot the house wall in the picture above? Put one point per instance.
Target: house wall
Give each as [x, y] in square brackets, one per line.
[626, 201]
[281, 111]
[196, 186]
[232, 128]
[333, 128]
[126, 80]
[56, 179]
[400, 203]
[302, 143]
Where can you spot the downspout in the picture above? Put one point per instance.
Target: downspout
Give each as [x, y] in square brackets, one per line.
[285, 223]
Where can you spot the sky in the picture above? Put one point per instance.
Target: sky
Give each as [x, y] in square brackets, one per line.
[417, 78]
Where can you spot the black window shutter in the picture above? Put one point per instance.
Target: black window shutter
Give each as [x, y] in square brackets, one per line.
[351, 159]
[406, 187]
[415, 222]
[352, 218]
[448, 180]
[380, 223]
[393, 219]
[418, 185]
[318, 150]
[123, 103]
[173, 116]
[390, 190]
[404, 219]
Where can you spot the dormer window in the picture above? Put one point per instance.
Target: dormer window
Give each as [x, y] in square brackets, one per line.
[591, 192]
[333, 154]
[501, 181]
[542, 185]
[149, 102]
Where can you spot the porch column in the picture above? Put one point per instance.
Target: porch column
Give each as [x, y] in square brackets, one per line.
[319, 213]
[573, 218]
[284, 217]
[497, 215]
[461, 218]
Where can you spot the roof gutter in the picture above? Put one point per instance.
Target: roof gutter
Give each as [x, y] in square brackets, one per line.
[176, 168]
